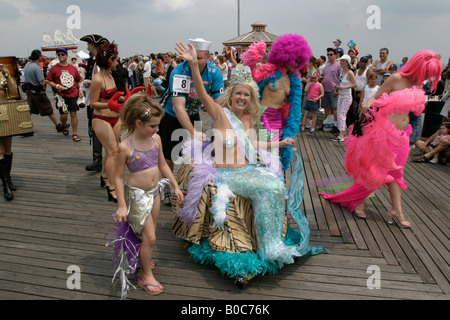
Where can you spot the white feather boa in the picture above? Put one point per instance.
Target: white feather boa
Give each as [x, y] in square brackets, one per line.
[220, 204]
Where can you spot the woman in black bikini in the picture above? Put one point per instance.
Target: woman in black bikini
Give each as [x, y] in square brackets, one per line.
[105, 122]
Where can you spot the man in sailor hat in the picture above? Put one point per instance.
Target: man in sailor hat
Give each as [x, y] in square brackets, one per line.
[182, 104]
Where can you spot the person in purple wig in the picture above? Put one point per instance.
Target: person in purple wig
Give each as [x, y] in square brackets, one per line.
[279, 81]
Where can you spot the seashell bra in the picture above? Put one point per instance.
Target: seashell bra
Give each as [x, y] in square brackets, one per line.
[229, 142]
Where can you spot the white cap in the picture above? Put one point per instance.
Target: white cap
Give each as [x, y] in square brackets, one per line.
[346, 57]
[200, 44]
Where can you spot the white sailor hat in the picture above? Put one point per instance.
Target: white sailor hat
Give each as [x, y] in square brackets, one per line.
[200, 44]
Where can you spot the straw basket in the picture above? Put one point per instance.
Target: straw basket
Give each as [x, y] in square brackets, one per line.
[15, 119]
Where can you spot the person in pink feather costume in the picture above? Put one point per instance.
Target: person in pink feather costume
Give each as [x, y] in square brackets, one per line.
[377, 154]
[280, 86]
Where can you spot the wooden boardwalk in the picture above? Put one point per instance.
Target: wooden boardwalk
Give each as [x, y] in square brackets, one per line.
[60, 217]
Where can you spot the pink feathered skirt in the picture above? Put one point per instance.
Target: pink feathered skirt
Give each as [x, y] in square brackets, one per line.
[377, 158]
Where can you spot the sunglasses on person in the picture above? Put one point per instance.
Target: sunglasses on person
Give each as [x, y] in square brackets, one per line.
[331, 54]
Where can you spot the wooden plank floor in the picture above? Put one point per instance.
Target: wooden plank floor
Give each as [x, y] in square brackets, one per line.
[60, 217]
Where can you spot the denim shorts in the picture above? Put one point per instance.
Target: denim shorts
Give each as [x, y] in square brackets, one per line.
[311, 105]
[329, 101]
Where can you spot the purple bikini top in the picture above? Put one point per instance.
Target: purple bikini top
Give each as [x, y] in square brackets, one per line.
[143, 160]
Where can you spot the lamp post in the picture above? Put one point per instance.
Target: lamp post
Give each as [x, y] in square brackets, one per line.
[239, 17]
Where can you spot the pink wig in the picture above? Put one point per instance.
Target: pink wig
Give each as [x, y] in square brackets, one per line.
[290, 50]
[253, 56]
[424, 65]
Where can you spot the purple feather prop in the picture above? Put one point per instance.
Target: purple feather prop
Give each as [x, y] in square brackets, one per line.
[123, 238]
[201, 175]
[126, 257]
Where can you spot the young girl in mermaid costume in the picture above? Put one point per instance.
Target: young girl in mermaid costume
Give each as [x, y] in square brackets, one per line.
[377, 155]
[243, 176]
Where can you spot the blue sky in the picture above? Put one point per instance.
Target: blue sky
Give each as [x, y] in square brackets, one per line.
[145, 26]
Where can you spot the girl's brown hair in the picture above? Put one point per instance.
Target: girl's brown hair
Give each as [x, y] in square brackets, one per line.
[139, 107]
[446, 124]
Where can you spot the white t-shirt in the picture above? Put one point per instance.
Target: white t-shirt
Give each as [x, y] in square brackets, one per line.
[381, 66]
[225, 72]
[87, 90]
[131, 67]
[369, 92]
[361, 80]
[345, 82]
[147, 70]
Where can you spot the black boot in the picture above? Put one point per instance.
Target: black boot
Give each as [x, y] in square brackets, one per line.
[96, 164]
[6, 187]
[9, 159]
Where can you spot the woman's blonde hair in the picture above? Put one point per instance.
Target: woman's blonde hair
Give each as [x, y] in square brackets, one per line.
[139, 107]
[225, 100]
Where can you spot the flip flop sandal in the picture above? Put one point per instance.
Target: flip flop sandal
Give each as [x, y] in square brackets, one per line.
[65, 130]
[76, 138]
[144, 286]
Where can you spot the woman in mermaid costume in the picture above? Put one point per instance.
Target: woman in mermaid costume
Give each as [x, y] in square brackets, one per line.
[377, 150]
[236, 171]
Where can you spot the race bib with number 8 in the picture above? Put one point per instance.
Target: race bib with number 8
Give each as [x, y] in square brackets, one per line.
[181, 84]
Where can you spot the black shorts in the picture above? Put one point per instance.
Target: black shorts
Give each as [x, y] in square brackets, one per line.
[173, 136]
[39, 104]
[71, 105]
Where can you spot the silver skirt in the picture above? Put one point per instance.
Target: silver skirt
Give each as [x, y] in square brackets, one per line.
[140, 204]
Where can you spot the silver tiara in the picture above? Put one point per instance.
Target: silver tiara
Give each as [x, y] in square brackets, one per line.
[241, 74]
